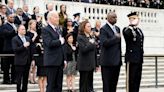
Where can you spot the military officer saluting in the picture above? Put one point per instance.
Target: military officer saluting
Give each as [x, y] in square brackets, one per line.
[134, 52]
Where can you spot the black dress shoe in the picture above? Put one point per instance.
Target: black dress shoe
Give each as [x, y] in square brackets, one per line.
[6, 82]
[69, 90]
[13, 82]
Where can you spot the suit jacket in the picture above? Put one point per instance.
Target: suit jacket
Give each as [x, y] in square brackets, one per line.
[45, 15]
[87, 59]
[53, 50]
[26, 19]
[70, 53]
[17, 21]
[8, 12]
[22, 54]
[110, 47]
[8, 33]
[134, 44]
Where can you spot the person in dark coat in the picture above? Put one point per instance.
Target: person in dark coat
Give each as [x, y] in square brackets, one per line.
[10, 7]
[76, 26]
[20, 44]
[49, 8]
[134, 52]
[32, 33]
[9, 31]
[87, 60]
[26, 16]
[54, 54]
[110, 41]
[3, 20]
[70, 70]
[35, 12]
[19, 18]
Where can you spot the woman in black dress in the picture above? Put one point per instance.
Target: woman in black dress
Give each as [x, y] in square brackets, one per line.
[31, 32]
[71, 62]
[41, 70]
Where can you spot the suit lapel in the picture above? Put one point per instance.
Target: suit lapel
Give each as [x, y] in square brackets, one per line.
[20, 41]
[110, 31]
[53, 32]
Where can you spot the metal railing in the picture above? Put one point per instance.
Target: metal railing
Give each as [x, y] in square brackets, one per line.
[155, 57]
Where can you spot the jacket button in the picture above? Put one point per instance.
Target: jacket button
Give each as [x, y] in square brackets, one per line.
[130, 50]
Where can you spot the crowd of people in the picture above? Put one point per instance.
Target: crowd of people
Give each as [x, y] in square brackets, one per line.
[66, 46]
[158, 4]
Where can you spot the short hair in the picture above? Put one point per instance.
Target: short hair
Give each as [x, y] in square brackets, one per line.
[50, 14]
[19, 26]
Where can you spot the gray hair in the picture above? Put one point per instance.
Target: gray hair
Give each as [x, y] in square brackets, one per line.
[50, 14]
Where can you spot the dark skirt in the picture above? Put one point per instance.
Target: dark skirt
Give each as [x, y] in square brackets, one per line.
[41, 71]
[71, 68]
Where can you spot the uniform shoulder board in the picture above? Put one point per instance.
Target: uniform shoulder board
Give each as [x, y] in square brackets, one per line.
[128, 27]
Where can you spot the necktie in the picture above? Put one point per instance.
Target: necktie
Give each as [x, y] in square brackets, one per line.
[23, 39]
[114, 29]
[57, 30]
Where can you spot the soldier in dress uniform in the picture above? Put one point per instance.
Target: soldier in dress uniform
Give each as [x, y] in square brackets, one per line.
[134, 52]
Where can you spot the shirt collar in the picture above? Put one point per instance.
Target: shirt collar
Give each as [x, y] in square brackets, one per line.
[110, 25]
[52, 26]
[21, 36]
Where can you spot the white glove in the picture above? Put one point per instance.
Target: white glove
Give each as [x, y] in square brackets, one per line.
[26, 44]
[91, 41]
[73, 47]
[61, 40]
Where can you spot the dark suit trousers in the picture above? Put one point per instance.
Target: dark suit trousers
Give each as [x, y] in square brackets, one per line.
[135, 73]
[86, 81]
[110, 75]
[6, 64]
[54, 78]
[22, 73]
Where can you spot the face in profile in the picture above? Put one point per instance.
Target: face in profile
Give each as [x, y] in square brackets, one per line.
[55, 19]
[87, 28]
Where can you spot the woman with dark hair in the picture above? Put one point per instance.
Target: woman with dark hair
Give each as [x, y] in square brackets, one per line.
[62, 15]
[86, 62]
[35, 12]
[70, 70]
[68, 28]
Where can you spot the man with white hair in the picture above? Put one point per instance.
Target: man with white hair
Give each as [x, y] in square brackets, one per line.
[53, 44]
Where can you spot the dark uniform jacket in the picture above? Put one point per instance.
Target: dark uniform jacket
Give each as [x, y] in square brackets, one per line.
[134, 44]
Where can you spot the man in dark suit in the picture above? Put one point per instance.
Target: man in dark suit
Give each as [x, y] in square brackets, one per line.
[110, 41]
[49, 8]
[20, 44]
[10, 7]
[19, 18]
[26, 16]
[9, 31]
[53, 53]
[134, 52]
[76, 26]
